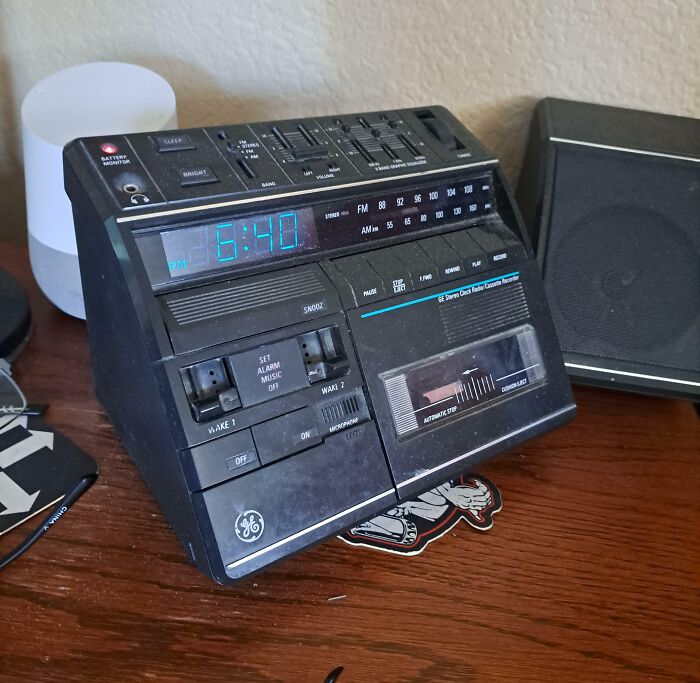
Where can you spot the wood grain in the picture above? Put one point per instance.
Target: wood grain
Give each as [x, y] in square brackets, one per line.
[590, 573]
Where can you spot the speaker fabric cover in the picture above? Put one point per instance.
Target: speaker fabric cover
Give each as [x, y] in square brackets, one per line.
[612, 200]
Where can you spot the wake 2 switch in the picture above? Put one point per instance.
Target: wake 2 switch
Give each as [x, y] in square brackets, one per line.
[295, 325]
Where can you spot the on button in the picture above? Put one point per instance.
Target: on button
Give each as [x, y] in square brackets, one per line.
[285, 435]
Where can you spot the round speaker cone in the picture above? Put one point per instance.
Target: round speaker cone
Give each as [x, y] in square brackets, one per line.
[627, 276]
[15, 322]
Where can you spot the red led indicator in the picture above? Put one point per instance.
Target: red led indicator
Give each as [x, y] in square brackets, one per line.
[109, 148]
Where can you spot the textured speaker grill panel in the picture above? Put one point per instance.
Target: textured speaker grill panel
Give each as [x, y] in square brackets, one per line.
[622, 270]
[230, 298]
[470, 317]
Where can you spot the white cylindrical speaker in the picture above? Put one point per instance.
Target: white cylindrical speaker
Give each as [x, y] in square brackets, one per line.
[102, 98]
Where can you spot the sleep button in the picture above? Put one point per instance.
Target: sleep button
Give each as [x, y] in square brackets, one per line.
[172, 142]
[197, 175]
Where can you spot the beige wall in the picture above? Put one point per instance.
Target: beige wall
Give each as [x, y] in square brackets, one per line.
[487, 60]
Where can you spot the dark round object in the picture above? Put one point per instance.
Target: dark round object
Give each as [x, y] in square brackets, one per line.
[628, 277]
[15, 317]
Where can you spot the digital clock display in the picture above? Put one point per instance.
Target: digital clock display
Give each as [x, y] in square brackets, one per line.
[238, 242]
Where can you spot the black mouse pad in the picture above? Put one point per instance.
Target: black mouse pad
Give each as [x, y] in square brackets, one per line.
[38, 467]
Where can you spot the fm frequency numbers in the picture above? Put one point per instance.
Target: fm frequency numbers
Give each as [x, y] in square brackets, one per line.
[408, 210]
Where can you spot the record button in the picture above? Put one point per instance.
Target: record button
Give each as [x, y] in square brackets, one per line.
[499, 253]
[514, 245]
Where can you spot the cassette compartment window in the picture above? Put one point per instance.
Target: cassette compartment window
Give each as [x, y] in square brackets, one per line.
[443, 387]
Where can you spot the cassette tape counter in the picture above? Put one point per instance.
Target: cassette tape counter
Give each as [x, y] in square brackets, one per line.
[296, 325]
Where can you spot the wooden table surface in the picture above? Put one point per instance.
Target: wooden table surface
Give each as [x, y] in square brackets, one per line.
[591, 572]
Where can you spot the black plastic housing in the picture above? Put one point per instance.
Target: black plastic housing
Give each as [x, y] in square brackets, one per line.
[249, 395]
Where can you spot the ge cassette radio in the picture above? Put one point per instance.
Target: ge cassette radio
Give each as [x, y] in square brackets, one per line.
[297, 325]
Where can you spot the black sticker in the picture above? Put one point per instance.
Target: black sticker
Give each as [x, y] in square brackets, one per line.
[408, 528]
[38, 467]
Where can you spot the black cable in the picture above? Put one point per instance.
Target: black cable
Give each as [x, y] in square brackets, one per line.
[83, 485]
[333, 675]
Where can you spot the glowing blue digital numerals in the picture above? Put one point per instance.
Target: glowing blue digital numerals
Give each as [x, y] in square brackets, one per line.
[262, 229]
[226, 248]
[235, 236]
[289, 237]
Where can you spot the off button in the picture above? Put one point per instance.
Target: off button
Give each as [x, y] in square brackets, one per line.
[268, 371]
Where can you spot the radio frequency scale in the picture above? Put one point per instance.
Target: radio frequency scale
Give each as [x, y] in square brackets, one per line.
[296, 325]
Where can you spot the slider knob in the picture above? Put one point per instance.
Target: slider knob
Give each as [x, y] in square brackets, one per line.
[441, 131]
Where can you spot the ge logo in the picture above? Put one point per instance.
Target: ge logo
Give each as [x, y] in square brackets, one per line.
[249, 526]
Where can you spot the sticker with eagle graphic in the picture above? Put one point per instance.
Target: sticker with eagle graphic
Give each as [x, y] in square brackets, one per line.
[408, 528]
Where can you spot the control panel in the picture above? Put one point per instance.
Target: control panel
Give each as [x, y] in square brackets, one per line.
[228, 160]
[295, 325]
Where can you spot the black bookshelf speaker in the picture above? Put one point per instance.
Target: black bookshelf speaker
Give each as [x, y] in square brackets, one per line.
[612, 201]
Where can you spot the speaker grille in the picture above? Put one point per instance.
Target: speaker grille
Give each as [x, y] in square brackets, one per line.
[231, 298]
[469, 318]
[341, 409]
[622, 270]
